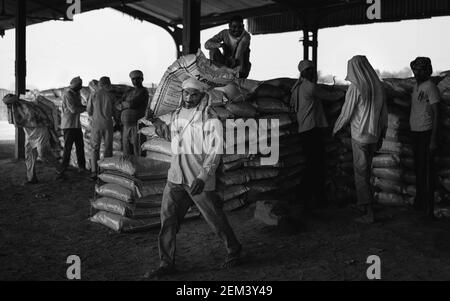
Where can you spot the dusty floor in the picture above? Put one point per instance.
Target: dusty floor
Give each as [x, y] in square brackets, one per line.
[37, 236]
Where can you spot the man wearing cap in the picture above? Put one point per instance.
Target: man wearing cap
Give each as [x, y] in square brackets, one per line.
[102, 110]
[71, 126]
[306, 101]
[36, 126]
[197, 146]
[424, 125]
[235, 42]
[134, 105]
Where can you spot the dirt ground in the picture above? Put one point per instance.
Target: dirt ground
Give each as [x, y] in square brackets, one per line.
[38, 234]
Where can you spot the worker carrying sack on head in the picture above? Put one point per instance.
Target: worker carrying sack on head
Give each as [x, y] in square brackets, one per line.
[366, 111]
[191, 178]
[71, 126]
[134, 104]
[235, 44]
[102, 110]
[36, 126]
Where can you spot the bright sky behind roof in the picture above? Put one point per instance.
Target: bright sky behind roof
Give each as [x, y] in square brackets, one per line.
[107, 42]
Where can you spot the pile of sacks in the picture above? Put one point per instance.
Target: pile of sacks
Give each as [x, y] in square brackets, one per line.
[443, 156]
[128, 198]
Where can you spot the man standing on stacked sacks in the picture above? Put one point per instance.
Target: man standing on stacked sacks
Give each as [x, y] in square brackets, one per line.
[306, 102]
[71, 126]
[101, 108]
[424, 123]
[134, 105]
[191, 178]
[365, 109]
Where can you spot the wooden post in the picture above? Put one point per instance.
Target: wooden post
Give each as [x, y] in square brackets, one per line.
[314, 48]
[21, 69]
[305, 44]
[191, 26]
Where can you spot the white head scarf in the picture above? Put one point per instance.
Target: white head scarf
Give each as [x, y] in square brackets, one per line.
[194, 84]
[363, 76]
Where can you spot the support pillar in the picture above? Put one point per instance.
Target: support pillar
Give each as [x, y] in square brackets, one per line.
[20, 72]
[191, 26]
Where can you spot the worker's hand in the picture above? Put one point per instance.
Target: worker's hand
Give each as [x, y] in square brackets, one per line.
[162, 129]
[125, 105]
[197, 186]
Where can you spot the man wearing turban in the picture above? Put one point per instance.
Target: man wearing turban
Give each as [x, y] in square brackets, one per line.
[424, 123]
[191, 178]
[306, 102]
[71, 126]
[134, 104]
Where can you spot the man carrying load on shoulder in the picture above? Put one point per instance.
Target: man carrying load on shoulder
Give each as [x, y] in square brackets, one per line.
[191, 178]
[134, 104]
[424, 124]
[306, 102]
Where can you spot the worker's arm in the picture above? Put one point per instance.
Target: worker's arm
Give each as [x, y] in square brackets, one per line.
[243, 45]
[73, 105]
[215, 42]
[322, 93]
[347, 109]
[89, 107]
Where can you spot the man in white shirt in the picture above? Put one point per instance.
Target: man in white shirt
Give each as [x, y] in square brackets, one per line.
[306, 101]
[424, 123]
[191, 178]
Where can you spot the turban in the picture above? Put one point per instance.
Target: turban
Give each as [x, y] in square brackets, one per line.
[136, 73]
[76, 82]
[10, 98]
[194, 84]
[423, 63]
[104, 81]
[305, 64]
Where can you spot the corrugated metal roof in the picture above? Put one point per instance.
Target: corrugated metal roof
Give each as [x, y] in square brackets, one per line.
[347, 13]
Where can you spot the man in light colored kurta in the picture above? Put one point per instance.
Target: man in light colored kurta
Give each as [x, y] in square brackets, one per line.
[365, 109]
[191, 179]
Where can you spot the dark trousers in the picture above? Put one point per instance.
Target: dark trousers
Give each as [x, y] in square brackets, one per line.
[72, 136]
[175, 204]
[314, 180]
[217, 56]
[424, 167]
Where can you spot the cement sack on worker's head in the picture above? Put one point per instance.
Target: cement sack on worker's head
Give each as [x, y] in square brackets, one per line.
[395, 174]
[392, 199]
[158, 145]
[115, 191]
[153, 187]
[267, 105]
[139, 167]
[220, 112]
[123, 180]
[241, 109]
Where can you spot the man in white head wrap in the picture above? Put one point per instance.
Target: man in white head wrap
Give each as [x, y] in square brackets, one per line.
[365, 109]
[134, 104]
[306, 102]
[191, 179]
[71, 126]
[102, 111]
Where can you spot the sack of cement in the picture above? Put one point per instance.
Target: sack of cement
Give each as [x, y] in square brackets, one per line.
[398, 136]
[123, 180]
[392, 199]
[112, 205]
[388, 185]
[227, 193]
[139, 167]
[149, 131]
[115, 191]
[227, 158]
[124, 224]
[395, 174]
[153, 187]
[220, 112]
[241, 109]
[158, 156]
[158, 145]
[392, 161]
[397, 123]
[389, 147]
[270, 106]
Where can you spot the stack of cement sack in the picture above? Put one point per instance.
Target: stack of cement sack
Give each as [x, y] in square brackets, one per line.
[130, 194]
[443, 158]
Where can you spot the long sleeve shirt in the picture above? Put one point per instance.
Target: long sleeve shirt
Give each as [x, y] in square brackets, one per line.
[196, 154]
[235, 47]
[101, 108]
[71, 109]
[136, 102]
[357, 112]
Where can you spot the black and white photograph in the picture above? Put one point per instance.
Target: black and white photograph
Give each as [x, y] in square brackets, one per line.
[224, 147]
